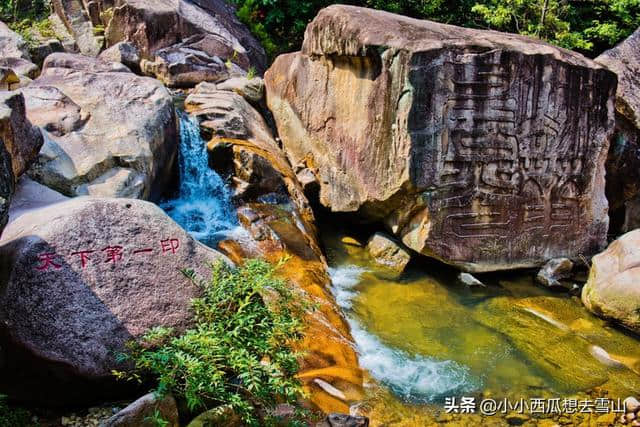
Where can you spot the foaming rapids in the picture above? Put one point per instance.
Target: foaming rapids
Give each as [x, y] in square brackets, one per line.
[416, 379]
[203, 204]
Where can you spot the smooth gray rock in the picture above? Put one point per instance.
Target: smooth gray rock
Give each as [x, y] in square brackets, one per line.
[14, 53]
[125, 53]
[470, 281]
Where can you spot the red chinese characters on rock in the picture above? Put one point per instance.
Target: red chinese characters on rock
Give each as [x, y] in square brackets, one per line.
[47, 260]
[111, 254]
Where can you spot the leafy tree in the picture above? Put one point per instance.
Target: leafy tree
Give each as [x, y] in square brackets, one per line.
[589, 26]
[586, 26]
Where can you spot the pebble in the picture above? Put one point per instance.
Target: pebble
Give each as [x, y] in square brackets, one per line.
[94, 417]
[516, 419]
[631, 404]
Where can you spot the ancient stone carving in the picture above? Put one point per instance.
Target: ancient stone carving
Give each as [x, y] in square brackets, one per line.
[518, 147]
[482, 149]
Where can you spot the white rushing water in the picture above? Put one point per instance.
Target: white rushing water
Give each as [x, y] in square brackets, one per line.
[417, 378]
[203, 203]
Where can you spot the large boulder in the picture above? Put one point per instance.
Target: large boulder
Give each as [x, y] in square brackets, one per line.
[472, 146]
[623, 162]
[153, 25]
[12, 44]
[78, 22]
[108, 132]
[21, 139]
[624, 60]
[14, 53]
[188, 63]
[243, 150]
[123, 52]
[612, 291]
[78, 280]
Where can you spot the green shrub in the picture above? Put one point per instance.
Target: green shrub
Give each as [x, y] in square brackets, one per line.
[12, 417]
[238, 352]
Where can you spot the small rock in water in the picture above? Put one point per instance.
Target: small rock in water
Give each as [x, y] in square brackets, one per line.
[329, 389]
[347, 240]
[388, 253]
[470, 281]
[555, 270]
[631, 404]
[516, 419]
[603, 356]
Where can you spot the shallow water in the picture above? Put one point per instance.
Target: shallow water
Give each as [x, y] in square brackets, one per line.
[424, 337]
[202, 205]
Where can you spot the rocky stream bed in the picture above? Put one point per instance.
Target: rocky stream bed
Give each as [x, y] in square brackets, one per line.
[458, 206]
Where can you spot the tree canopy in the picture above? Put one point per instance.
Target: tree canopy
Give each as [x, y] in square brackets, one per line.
[588, 26]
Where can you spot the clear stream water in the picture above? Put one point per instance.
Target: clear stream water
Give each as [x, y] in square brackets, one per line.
[202, 205]
[424, 336]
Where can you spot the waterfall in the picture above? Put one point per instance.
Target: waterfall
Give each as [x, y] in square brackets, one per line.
[203, 203]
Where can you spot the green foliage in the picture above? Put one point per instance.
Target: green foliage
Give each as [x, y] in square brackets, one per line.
[13, 11]
[251, 72]
[12, 417]
[587, 26]
[590, 27]
[31, 30]
[239, 351]
[156, 419]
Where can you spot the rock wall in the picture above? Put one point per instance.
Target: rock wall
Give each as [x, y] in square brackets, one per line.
[181, 42]
[473, 147]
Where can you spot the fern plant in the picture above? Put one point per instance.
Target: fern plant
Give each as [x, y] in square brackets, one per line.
[238, 352]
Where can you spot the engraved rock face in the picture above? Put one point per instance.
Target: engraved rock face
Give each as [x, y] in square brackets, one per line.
[80, 278]
[484, 150]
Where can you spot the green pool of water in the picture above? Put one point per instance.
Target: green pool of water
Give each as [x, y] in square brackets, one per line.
[424, 336]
